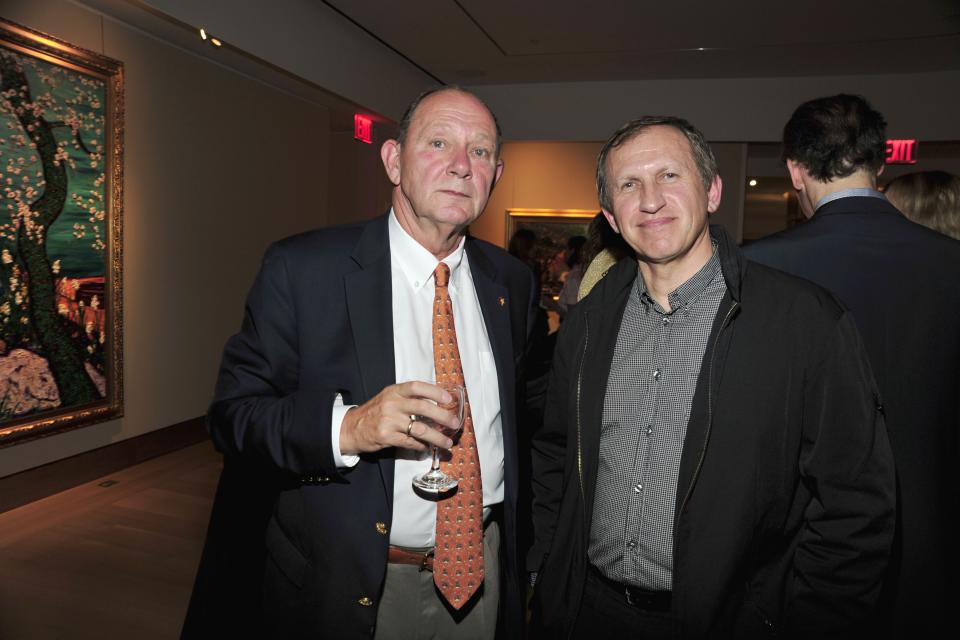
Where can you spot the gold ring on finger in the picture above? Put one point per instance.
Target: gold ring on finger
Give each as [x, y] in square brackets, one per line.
[413, 419]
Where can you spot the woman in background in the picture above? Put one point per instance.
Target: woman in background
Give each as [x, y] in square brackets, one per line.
[930, 198]
[604, 249]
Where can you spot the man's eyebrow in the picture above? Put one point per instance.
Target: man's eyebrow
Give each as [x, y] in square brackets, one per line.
[484, 139]
[441, 128]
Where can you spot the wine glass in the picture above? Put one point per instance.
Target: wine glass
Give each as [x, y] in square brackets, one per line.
[436, 481]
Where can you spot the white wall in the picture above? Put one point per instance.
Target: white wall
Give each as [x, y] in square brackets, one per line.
[359, 187]
[732, 165]
[920, 105]
[540, 175]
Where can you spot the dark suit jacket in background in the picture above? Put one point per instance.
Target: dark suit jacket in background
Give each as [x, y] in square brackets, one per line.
[318, 322]
[902, 282]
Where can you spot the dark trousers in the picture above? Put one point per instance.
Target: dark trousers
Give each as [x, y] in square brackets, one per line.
[605, 611]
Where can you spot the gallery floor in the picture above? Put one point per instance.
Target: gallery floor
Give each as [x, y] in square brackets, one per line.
[113, 558]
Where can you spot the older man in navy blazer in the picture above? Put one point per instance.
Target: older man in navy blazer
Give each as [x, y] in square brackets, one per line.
[329, 386]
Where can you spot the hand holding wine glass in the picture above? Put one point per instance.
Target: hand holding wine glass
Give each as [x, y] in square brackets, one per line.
[399, 416]
[436, 481]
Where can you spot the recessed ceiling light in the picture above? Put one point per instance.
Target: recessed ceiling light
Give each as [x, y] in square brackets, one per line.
[215, 42]
[203, 34]
[753, 183]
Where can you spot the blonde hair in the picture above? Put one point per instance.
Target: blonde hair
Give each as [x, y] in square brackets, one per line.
[930, 198]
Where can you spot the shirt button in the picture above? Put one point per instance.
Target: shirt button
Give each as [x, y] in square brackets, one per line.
[656, 374]
[649, 430]
[666, 321]
[365, 602]
[632, 544]
[637, 488]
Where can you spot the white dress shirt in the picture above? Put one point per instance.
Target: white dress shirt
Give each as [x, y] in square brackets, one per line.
[412, 266]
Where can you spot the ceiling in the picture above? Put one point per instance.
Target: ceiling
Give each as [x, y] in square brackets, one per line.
[475, 42]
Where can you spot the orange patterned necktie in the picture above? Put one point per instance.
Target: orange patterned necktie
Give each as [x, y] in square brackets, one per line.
[458, 560]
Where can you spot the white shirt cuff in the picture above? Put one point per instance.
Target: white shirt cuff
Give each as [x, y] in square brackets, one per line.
[336, 421]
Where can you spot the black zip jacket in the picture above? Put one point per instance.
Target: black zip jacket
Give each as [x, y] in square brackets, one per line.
[786, 490]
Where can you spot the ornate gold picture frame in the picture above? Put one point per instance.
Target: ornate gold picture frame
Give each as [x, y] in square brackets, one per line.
[551, 228]
[61, 253]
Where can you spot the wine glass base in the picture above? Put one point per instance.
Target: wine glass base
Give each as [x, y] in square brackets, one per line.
[434, 482]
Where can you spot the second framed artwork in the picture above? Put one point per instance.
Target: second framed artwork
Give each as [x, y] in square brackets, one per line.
[61, 194]
[549, 231]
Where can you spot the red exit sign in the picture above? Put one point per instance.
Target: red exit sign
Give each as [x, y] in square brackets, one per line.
[362, 128]
[901, 152]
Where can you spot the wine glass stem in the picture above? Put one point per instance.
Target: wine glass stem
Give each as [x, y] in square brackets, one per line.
[436, 459]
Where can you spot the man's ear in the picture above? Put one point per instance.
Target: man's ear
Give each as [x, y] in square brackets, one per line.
[797, 173]
[713, 194]
[390, 154]
[611, 219]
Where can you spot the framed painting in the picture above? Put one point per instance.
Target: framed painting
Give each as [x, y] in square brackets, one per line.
[61, 195]
[550, 230]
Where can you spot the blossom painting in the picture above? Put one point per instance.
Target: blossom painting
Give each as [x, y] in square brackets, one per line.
[60, 241]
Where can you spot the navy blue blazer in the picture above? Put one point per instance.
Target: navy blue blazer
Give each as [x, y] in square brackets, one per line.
[318, 323]
[902, 283]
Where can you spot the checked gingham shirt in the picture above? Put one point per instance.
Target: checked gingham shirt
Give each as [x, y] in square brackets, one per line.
[645, 412]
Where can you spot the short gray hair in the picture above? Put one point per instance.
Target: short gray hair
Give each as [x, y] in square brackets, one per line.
[700, 148]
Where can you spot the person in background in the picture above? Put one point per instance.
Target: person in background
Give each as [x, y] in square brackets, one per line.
[536, 374]
[900, 281]
[605, 247]
[930, 198]
[573, 258]
[521, 247]
[713, 461]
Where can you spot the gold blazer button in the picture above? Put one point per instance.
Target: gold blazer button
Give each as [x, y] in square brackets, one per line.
[365, 602]
[381, 528]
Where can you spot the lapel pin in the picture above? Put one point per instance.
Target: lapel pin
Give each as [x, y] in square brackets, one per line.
[502, 301]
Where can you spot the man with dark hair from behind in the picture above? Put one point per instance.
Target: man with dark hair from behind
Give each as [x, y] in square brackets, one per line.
[900, 280]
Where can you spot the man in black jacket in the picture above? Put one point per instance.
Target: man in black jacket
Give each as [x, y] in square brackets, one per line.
[713, 460]
[899, 279]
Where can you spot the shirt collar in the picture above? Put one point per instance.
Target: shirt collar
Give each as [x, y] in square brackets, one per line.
[850, 193]
[690, 290]
[415, 262]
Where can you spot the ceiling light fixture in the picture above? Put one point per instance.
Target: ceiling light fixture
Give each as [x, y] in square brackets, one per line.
[206, 37]
[753, 183]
